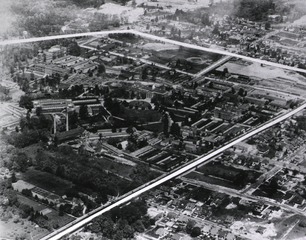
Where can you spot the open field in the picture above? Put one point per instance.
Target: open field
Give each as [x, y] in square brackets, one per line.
[270, 77]
[174, 55]
[252, 69]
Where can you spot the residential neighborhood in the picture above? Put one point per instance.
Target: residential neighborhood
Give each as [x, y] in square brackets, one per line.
[153, 119]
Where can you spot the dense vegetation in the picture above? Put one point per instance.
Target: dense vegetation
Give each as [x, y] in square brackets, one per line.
[41, 18]
[47, 17]
[123, 223]
[94, 3]
[254, 10]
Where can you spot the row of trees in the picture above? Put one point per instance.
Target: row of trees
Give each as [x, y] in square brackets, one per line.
[123, 223]
[89, 173]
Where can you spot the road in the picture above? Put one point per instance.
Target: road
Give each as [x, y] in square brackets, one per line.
[284, 237]
[214, 66]
[128, 197]
[156, 182]
[153, 37]
[145, 61]
[218, 51]
[251, 198]
[263, 178]
[38, 39]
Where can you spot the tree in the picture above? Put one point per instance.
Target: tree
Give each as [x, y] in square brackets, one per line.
[196, 231]
[225, 71]
[165, 121]
[26, 210]
[38, 111]
[26, 102]
[190, 225]
[20, 161]
[13, 178]
[27, 192]
[73, 119]
[74, 49]
[175, 129]
[267, 26]
[118, 235]
[101, 69]
[83, 112]
[241, 92]
[138, 226]
[128, 231]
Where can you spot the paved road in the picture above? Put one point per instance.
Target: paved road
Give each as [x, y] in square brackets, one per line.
[37, 39]
[145, 61]
[128, 197]
[218, 51]
[263, 178]
[214, 66]
[156, 38]
[146, 187]
[251, 198]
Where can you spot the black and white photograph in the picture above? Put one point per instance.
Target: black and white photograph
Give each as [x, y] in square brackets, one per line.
[152, 119]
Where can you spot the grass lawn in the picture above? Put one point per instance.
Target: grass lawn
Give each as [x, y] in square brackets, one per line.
[46, 181]
[31, 203]
[164, 56]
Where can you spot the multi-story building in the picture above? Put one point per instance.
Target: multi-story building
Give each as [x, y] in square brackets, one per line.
[53, 105]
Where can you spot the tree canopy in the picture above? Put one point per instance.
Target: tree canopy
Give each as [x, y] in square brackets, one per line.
[26, 102]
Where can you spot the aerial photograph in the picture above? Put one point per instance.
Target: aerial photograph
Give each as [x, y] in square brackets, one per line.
[152, 119]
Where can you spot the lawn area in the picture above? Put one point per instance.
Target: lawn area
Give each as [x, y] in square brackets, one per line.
[169, 55]
[46, 181]
[31, 203]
